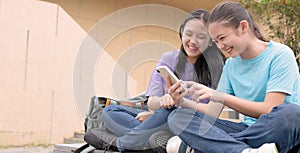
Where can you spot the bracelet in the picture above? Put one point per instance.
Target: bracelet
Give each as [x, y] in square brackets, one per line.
[180, 102]
[217, 96]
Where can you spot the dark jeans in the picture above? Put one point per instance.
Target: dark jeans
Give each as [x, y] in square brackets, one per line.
[206, 134]
[133, 134]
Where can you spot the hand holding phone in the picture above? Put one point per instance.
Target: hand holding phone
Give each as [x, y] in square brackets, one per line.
[164, 71]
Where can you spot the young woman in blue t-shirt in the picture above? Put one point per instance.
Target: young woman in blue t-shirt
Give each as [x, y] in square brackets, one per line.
[260, 80]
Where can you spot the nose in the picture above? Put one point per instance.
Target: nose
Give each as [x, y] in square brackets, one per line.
[220, 45]
[193, 40]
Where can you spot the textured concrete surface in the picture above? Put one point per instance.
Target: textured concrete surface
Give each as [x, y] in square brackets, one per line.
[27, 150]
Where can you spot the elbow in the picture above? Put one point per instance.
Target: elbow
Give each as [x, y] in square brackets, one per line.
[153, 103]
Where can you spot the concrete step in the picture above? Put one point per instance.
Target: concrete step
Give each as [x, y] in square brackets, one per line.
[73, 140]
[79, 135]
[77, 138]
[66, 148]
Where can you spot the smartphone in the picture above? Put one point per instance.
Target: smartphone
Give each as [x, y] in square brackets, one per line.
[164, 71]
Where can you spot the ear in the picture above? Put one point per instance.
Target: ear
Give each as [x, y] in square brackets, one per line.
[244, 26]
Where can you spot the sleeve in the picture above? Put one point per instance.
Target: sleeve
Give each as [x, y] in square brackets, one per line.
[157, 85]
[282, 72]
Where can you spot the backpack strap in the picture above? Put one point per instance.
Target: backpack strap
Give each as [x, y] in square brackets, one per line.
[81, 148]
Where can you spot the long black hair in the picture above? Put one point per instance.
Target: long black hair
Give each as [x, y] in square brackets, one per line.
[209, 65]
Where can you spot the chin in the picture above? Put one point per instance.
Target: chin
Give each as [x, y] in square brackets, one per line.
[233, 56]
[193, 54]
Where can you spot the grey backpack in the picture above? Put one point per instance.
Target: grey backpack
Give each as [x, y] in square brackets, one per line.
[93, 117]
[98, 103]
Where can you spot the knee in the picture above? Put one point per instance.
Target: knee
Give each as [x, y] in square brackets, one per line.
[111, 108]
[290, 112]
[108, 111]
[293, 113]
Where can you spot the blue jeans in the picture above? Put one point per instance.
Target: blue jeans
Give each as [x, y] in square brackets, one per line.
[132, 134]
[209, 135]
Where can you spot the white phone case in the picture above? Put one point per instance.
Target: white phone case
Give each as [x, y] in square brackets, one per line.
[164, 71]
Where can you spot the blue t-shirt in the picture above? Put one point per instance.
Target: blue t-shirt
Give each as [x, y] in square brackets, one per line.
[274, 70]
[157, 85]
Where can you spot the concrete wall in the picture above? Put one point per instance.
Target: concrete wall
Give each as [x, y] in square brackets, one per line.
[38, 44]
[53, 58]
[45, 57]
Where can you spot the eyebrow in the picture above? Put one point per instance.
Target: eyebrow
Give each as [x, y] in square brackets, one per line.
[186, 30]
[202, 33]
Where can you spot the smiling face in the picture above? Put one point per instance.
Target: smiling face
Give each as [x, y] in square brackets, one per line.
[195, 39]
[227, 38]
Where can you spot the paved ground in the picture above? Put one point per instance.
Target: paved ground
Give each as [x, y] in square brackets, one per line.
[27, 150]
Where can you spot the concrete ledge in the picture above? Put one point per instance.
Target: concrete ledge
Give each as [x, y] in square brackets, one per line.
[66, 148]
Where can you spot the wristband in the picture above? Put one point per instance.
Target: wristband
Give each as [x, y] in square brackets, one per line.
[217, 96]
[180, 102]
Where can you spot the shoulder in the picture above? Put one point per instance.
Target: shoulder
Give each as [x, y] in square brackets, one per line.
[171, 54]
[283, 56]
[169, 57]
[279, 49]
[280, 54]
[278, 45]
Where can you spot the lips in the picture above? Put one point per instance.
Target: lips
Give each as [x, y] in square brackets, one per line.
[228, 50]
[193, 47]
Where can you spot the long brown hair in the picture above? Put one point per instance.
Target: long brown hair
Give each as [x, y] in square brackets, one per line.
[231, 14]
